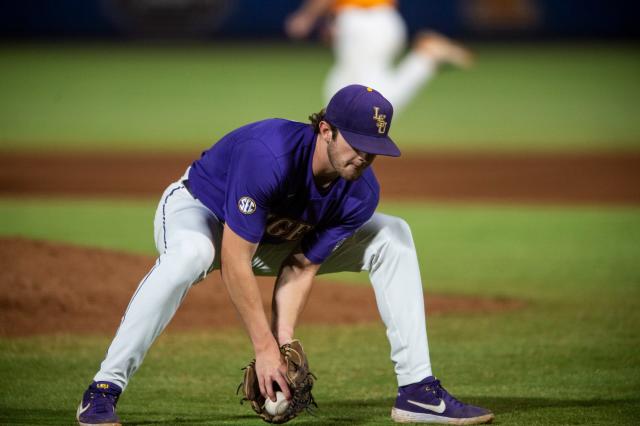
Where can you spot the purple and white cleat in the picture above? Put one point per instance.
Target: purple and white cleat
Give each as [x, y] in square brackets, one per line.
[98, 405]
[428, 402]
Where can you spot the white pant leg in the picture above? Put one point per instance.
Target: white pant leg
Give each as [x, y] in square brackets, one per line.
[366, 44]
[186, 233]
[384, 247]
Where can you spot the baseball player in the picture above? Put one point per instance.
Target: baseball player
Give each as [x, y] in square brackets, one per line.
[291, 200]
[367, 37]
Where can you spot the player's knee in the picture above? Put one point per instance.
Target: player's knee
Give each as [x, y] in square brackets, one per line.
[201, 253]
[197, 252]
[191, 257]
[398, 233]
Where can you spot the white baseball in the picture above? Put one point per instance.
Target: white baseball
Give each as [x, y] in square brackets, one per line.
[278, 407]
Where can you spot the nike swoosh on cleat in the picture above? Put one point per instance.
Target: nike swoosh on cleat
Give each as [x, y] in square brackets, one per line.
[82, 409]
[435, 408]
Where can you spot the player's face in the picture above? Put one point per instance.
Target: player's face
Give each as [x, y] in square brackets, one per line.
[347, 161]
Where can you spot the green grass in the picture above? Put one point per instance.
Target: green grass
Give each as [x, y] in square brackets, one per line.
[536, 97]
[111, 224]
[526, 370]
[534, 251]
[186, 96]
[569, 357]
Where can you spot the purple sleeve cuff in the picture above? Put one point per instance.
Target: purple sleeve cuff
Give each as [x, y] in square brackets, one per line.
[252, 238]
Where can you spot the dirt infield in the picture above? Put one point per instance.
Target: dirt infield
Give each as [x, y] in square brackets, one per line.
[558, 178]
[56, 288]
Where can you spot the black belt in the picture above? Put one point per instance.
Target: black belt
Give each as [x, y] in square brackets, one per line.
[187, 186]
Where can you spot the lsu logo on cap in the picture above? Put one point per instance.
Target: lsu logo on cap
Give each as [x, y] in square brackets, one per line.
[246, 205]
[381, 122]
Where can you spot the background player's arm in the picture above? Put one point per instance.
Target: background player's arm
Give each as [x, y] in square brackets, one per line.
[290, 294]
[301, 22]
[237, 274]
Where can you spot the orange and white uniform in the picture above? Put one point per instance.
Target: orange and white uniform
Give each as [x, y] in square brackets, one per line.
[339, 4]
[368, 37]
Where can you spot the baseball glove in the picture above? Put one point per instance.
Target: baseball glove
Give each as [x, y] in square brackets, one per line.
[299, 379]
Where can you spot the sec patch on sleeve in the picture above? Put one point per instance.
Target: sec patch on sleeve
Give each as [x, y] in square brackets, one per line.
[246, 205]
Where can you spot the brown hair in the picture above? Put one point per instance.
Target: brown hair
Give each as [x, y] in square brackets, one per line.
[317, 117]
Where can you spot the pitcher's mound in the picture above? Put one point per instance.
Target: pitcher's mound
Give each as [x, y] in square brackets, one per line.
[54, 288]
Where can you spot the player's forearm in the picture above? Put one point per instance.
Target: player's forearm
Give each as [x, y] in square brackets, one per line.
[299, 24]
[291, 292]
[316, 8]
[245, 295]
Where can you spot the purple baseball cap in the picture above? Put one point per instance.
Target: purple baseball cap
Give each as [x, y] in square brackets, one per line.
[363, 117]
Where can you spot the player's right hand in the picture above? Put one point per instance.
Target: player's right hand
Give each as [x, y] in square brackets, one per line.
[270, 369]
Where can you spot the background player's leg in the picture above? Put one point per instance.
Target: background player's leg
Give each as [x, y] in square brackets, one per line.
[184, 231]
[384, 247]
[420, 65]
[414, 71]
[361, 54]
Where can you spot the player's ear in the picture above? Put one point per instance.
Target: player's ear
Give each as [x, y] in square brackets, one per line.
[325, 131]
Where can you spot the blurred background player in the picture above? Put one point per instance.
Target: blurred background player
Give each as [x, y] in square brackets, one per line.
[367, 36]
